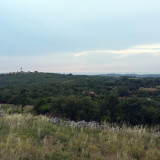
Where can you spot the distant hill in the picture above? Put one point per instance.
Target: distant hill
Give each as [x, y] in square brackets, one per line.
[129, 75]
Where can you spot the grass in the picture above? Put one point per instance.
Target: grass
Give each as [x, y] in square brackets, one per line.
[28, 137]
[11, 108]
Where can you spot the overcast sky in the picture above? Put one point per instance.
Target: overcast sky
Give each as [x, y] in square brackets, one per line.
[119, 36]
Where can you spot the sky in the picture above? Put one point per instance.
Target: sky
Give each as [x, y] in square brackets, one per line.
[80, 36]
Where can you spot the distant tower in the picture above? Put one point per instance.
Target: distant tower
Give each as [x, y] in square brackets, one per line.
[21, 69]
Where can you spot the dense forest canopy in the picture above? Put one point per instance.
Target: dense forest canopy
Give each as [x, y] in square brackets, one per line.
[131, 99]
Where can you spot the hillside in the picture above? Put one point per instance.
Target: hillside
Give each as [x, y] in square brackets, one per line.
[27, 137]
[130, 99]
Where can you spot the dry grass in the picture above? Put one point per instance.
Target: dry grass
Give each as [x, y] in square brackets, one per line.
[148, 89]
[27, 137]
[11, 108]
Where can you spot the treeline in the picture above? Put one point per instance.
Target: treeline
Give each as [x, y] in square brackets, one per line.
[115, 99]
[132, 110]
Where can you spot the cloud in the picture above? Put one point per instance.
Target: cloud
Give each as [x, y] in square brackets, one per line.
[152, 49]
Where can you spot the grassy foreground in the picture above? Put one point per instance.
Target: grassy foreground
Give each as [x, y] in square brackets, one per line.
[27, 137]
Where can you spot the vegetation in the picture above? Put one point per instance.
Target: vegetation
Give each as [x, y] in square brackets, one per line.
[118, 100]
[27, 137]
[129, 99]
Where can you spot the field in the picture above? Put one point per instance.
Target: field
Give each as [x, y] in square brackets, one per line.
[28, 100]
[28, 137]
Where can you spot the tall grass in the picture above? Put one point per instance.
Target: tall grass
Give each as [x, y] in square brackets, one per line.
[27, 137]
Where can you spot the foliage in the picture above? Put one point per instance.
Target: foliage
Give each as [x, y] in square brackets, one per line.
[114, 99]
